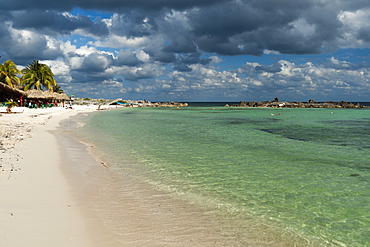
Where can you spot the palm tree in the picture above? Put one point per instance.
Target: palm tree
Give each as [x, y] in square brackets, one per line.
[38, 76]
[8, 73]
[58, 89]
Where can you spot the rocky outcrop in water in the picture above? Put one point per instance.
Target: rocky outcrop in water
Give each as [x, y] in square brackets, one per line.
[297, 104]
[129, 103]
[145, 103]
[169, 104]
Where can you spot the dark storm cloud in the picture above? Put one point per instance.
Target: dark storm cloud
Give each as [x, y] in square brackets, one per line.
[133, 24]
[364, 34]
[226, 27]
[183, 61]
[180, 45]
[127, 58]
[224, 20]
[164, 57]
[251, 27]
[182, 67]
[352, 5]
[95, 62]
[112, 5]
[52, 22]
[5, 37]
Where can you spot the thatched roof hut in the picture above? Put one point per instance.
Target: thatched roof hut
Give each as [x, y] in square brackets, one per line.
[4, 88]
[63, 96]
[38, 94]
[10, 93]
[50, 95]
[35, 94]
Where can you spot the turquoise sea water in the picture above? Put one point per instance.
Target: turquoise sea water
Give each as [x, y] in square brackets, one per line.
[305, 172]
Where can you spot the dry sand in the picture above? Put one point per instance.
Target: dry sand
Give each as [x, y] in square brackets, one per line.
[39, 206]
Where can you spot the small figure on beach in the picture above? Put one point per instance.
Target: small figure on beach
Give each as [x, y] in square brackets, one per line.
[11, 104]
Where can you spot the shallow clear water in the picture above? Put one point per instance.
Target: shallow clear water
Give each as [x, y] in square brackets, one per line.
[303, 171]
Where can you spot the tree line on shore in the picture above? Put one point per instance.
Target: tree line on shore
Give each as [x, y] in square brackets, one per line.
[34, 76]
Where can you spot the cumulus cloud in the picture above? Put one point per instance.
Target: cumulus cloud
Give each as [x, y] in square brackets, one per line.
[175, 48]
[356, 25]
[312, 81]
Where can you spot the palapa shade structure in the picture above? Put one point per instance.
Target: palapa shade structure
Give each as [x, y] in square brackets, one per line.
[63, 96]
[7, 92]
[7, 89]
[35, 94]
[50, 95]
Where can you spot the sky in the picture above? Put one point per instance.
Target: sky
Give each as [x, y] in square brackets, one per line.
[195, 50]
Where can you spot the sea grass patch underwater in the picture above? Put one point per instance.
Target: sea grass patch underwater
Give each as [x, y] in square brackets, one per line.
[305, 172]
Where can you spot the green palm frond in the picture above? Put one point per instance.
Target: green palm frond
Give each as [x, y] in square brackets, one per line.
[38, 76]
[9, 72]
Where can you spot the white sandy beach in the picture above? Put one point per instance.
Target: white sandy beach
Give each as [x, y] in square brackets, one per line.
[39, 207]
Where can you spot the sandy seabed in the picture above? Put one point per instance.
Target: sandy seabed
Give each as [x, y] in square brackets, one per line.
[55, 193]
